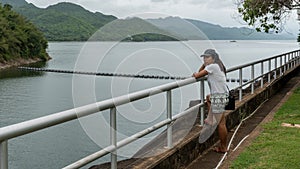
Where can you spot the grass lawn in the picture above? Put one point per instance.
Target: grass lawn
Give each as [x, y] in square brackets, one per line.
[276, 147]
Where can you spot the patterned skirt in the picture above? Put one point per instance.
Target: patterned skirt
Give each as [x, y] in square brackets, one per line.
[218, 102]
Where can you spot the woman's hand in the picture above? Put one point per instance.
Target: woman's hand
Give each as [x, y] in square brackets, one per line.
[195, 74]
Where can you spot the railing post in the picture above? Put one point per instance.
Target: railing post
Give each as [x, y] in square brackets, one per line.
[3, 155]
[296, 59]
[252, 78]
[284, 68]
[202, 93]
[298, 56]
[275, 67]
[262, 72]
[269, 74]
[113, 136]
[289, 61]
[241, 83]
[169, 116]
[280, 70]
[281, 66]
[293, 61]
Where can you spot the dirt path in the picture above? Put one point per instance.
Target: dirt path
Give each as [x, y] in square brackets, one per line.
[250, 128]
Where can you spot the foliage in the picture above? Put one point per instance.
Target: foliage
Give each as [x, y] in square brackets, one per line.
[65, 21]
[13, 3]
[149, 37]
[266, 15]
[71, 22]
[131, 29]
[19, 38]
[277, 146]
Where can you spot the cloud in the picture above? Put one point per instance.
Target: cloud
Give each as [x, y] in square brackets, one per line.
[194, 9]
[159, 1]
[214, 11]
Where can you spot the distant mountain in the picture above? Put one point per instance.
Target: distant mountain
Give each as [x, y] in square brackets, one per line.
[63, 21]
[195, 30]
[132, 29]
[178, 27]
[96, 19]
[70, 22]
[228, 33]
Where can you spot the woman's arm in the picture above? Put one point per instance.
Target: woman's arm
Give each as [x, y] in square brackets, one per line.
[201, 73]
[201, 68]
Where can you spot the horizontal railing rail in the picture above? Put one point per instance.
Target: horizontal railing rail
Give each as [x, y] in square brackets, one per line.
[29, 126]
[295, 52]
[286, 61]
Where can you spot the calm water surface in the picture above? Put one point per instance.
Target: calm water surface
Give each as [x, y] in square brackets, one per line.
[28, 95]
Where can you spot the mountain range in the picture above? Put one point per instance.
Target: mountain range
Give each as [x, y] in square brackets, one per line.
[70, 22]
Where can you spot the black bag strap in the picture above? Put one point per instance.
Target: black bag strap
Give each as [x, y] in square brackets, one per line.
[228, 89]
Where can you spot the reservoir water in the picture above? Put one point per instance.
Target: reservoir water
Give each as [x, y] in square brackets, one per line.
[28, 95]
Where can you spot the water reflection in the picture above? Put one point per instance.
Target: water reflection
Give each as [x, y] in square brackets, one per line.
[14, 72]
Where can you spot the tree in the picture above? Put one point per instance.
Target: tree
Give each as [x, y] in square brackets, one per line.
[19, 38]
[266, 15]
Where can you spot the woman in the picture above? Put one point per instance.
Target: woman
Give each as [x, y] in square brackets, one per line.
[216, 101]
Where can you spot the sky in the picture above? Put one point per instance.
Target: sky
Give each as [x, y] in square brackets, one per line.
[220, 12]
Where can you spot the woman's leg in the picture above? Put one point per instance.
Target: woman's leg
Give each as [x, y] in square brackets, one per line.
[209, 119]
[208, 103]
[222, 130]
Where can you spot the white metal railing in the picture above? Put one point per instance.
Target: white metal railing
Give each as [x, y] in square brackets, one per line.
[290, 59]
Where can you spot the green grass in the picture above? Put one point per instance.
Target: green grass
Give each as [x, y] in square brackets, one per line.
[276, 147]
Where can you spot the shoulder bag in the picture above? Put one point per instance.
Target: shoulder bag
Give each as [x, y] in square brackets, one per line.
[231, 100]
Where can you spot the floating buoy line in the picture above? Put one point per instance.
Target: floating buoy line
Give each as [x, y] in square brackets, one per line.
[113, 74]
[102, 74]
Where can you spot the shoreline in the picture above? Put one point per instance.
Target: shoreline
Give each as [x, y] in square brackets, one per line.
[19, 62]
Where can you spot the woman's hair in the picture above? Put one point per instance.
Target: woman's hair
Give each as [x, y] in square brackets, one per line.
[215, 55]
[220, 63]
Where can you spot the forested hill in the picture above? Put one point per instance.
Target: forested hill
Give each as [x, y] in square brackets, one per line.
[65, 21]
[19, 38]
[14, 3]
[195, 30]
[70, 22]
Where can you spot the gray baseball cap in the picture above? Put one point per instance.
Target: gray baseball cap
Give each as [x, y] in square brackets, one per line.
[210, 52]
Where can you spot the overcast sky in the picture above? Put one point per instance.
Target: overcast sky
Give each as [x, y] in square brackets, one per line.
[221, 12]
